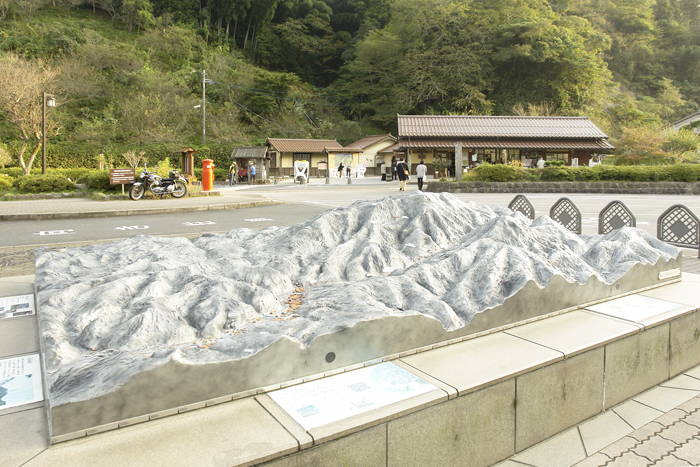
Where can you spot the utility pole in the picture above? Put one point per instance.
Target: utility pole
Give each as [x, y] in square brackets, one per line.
[204, 105]
[47, 100]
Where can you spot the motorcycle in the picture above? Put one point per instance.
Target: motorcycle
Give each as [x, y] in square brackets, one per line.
[175, 185]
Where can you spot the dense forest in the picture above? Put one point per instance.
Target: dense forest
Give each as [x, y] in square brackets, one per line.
[127, 74]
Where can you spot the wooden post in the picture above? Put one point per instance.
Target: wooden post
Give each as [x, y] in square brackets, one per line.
[458, 161]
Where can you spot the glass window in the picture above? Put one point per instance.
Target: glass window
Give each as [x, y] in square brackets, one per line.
[302, 156]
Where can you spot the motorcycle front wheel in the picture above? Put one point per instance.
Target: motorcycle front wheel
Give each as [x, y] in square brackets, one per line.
[137, 192]
[180, 189]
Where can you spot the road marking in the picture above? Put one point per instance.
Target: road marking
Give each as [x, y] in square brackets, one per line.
[258, 219]
[132, 227]
[191, 224]
[322, 204]
[56, 232]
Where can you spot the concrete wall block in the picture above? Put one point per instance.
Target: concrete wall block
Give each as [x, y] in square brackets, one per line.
[475, 430]
[685, 343]
[558, 396]
[364, 449]
[636, 363]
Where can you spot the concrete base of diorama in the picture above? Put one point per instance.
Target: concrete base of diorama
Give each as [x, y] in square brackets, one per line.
[175, 388]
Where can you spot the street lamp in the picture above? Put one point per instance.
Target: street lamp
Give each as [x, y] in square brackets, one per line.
[47, 101]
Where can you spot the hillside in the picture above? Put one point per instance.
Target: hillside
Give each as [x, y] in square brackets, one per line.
[130, 71]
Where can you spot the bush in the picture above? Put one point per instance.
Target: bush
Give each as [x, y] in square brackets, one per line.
[48, 183]
[98, 180]
[498, 173]
[5, 182]
[557, 174]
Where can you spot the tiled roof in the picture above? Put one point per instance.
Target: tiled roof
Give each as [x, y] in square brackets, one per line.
[370, 140]
[303, 145]
[510, 144]
[259, 152]
[392, 148]
[468, 126]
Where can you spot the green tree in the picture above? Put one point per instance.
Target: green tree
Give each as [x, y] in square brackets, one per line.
[137, 14]
[642, 144]
[682, 145]
[669, 99]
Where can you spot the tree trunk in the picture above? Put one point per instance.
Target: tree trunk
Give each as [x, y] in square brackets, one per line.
[245, 42]
[218, 27]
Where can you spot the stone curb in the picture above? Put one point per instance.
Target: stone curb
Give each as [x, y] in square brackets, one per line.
[134, 212]
[656, 188]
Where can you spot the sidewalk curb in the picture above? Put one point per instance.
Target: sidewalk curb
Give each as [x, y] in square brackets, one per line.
[134, 212]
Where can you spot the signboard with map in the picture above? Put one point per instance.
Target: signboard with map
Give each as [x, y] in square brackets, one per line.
[20, 381]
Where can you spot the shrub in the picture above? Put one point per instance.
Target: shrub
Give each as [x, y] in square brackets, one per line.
[5, 182]
[98, 180]
[48, 183]
[557, 174]
[498, 173]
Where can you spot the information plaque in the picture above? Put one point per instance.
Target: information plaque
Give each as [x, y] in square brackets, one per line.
[17, 305]
[635, 307]
[20, 381]
[121, 176]
[341, 396]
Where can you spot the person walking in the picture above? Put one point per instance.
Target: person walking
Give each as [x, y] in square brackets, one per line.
[382, 170]
[403, 174]
[252, 174]
[340, 170]
[421, 170]
[232, 174]
[393, 170]
[348, 170]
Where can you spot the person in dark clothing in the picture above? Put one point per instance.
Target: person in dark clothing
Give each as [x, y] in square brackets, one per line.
[340, 170]
[393, 170]
[402, 171]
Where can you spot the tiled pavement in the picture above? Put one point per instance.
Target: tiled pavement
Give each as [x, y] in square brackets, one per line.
[660, 427]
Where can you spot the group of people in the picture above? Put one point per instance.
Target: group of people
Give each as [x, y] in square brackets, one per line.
[401, 171]
[242, 174]
[348, 170]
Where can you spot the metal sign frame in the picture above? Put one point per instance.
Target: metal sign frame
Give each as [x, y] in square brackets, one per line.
[522, 205]
[565, 212]
[614, 213]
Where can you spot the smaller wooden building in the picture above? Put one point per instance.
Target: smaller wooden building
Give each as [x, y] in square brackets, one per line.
[374, 151]
[283, 153]
[245, 157]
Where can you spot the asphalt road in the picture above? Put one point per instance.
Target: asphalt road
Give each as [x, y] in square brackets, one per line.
[301, 203]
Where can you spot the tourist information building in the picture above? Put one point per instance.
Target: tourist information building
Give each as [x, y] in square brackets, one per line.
[486, 139]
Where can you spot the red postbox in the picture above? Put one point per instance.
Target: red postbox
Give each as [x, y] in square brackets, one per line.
[207, 174]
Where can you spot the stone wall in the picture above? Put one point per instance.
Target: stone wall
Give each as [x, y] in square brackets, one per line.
[655, 188]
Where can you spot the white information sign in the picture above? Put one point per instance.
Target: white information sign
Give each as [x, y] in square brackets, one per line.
[20, 381]
[17, 305]
[341, 396]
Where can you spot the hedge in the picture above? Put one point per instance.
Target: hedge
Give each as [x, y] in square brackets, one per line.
[604, 173]
[48, 183]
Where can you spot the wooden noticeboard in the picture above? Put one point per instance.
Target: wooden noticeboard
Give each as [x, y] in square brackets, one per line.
[121, 176]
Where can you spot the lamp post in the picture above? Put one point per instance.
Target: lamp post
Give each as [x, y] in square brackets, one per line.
[47, 101]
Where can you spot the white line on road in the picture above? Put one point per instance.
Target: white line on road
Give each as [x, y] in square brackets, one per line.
[322, 204]
[56, 232]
